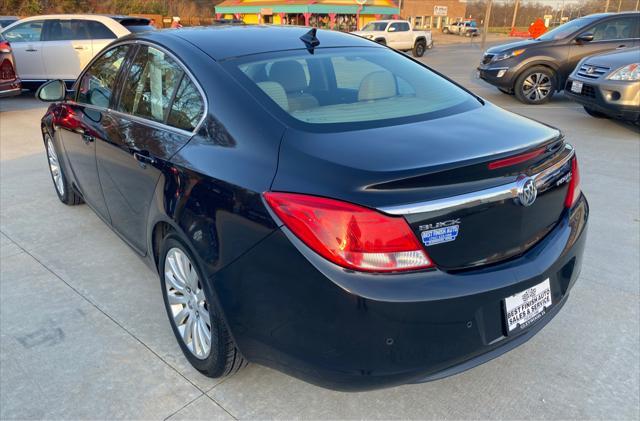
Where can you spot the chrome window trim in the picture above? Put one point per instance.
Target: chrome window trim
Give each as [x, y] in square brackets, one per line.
[144, 120]
[467, 200]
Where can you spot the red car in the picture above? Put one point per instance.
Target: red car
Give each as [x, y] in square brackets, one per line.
[10, 84]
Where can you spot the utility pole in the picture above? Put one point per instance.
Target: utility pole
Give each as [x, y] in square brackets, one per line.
[515, 14]
[637, 4]
[487, 15]
[619, 4]
[606, 7]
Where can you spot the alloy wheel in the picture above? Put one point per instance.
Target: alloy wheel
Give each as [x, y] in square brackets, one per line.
[537, 86]
[187, 302]
[54, 166]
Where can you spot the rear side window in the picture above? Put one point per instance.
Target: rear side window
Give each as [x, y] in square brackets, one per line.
[66, 30]
[351, 85]
[25, 32]
[98, 82]
[98, 30]
[153, 78]
[188, 106]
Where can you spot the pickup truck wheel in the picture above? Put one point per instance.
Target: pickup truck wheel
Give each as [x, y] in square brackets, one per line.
[419, 48]
[445, 31]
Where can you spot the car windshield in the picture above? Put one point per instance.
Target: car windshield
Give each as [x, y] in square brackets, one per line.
[349, 85]
[565, 30]
[375, 26]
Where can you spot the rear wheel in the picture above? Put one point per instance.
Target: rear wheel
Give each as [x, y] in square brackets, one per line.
[63, 187]
[445, 31]
[535, 85]
[419, 48]
[594, 113]
[193, 313]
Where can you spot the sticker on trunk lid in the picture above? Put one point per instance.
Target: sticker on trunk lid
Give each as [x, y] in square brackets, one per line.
[443, 234]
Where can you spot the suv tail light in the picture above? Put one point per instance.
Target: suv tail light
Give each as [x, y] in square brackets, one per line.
[5, 47]
[573, 193]
[349, 235]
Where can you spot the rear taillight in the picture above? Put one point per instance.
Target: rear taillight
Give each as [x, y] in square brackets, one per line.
[350, 235]
[5, 47]
[573, 193]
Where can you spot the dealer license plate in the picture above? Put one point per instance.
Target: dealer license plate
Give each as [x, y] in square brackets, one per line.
[528, 306]
[576, 87]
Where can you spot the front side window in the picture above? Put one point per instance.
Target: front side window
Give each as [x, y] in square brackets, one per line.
[350, 85]
[98, 82]
[25, 32]
[153, 77]
[399, 26]
[566, 29]
[621, 28]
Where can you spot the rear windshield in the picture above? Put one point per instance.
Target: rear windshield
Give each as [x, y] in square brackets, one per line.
[350, 85]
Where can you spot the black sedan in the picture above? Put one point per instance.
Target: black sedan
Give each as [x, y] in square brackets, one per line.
[318, 203]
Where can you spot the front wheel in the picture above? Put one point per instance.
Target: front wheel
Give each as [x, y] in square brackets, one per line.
[63, 187]
[419, 48]
[193, 313]
[536, 85]
[594, 113]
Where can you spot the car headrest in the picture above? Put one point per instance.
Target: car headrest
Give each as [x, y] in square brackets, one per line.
[377, 85]
[290, 74]
[276, 92]
[611, 33]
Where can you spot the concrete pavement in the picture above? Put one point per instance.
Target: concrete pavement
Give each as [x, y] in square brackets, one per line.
[83, 332]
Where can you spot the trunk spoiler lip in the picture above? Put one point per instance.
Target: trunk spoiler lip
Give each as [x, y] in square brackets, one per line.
[490, 195]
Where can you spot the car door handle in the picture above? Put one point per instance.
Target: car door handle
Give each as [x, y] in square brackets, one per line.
[86, 138]
[30, 50]
[622, 46]
[79, 47]
[144, 158]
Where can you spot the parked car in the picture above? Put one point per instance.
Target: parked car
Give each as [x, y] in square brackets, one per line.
[60, 46]
[7, 20]
[397, 34]
[535, 69]
[608, 85]
[466, 28]
[10, 84]
[282, 185]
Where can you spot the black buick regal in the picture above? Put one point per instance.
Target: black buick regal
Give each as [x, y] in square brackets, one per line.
[320, 204]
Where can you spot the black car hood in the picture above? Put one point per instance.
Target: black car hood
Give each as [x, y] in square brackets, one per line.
[367, 166]
[515, 45]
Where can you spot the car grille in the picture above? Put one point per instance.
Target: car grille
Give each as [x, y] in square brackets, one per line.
[592, 72]
[487, 58]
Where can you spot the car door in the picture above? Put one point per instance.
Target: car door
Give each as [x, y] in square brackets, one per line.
[609, 34]
[401, 35]
[66, 48]
[150, 128]
[25, 39]
[86, 121]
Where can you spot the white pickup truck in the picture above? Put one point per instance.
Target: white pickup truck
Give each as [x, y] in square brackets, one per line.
[399, 35]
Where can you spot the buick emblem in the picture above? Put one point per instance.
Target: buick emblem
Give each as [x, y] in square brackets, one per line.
[527, 191]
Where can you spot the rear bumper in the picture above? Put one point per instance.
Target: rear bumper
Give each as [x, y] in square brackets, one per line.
[613, 98]
[289, 309]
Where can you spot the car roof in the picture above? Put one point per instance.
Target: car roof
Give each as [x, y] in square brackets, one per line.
[224, 41]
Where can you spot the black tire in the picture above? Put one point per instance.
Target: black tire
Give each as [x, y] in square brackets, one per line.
[446, 31]
[594, 113]
[530, 96]
[419, 48]
[381, 41]
[224, 358]
[63, 187]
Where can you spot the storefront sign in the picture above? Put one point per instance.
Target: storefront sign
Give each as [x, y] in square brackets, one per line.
[266, 12]
[440, 10]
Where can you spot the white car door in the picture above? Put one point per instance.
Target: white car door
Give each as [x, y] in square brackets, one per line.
[401, 33]
[66, 48]
[27, 49]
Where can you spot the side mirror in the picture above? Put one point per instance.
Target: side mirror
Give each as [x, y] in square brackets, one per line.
[52, 91]
[391, 29]
[585, 37]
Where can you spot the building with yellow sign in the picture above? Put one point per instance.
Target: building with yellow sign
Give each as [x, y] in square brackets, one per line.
[344, 15]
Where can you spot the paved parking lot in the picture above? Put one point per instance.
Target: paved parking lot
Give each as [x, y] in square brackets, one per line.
[83, 331]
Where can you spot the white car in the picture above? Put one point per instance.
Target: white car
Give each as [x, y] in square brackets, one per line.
[397, 34]
[60, 46]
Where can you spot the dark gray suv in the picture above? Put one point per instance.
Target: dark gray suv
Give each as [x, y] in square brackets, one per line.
[535, 69]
